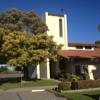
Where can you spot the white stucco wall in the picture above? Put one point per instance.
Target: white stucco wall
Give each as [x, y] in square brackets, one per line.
[71, 48]
[48, 69]
[90, 68]
[52, 21]
[38, 71]
[94, 71]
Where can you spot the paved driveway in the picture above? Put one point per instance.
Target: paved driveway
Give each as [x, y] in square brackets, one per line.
[9, 96]
[45, 95]
[28, 95]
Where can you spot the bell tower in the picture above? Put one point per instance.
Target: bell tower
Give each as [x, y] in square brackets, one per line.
[57, 25]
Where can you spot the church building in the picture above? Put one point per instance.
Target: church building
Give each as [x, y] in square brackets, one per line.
[76, 57]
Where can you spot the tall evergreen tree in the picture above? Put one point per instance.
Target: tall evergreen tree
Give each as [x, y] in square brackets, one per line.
[24, 41]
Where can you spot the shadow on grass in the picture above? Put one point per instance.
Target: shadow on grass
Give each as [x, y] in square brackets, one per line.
[94, 97]
[9, 80]
[15, 80]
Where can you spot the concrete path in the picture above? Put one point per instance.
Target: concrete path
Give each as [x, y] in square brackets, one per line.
[27, 94]
[27, 89]
[45, 95]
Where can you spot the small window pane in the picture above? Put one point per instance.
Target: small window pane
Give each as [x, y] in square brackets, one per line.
[79, 47]
[84, 69]
[60, 28]
[87, 47]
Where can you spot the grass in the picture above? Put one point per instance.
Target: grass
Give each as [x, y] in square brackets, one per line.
[91, 95]
[6, 83]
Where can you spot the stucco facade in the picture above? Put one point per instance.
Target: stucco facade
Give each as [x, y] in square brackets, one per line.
[52, 21]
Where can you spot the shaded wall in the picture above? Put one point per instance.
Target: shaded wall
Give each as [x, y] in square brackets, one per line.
[43, 71]
[93, 68]
[69, 67]
[32, 71]
[54, 68]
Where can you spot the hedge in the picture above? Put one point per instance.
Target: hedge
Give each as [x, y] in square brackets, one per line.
[85, 84]
[64, 86]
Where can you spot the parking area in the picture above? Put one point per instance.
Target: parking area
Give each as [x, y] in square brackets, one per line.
[45, 95]
[28, 95]
[9, 96]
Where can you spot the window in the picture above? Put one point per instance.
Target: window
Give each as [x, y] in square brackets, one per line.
[81, 69]
[87, 47]
[84, 69]
[79, 47]
[60, 28]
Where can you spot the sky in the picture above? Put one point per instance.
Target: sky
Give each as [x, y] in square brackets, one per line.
[83, 16]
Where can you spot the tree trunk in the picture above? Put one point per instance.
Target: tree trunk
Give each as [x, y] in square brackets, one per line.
[26, 73]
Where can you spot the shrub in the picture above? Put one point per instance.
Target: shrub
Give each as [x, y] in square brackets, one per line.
[61, 74]
[85, 76]
[84, 84]
[3, 69]
[62, 79]
[68, 76]
[75, 78]
[64, 86]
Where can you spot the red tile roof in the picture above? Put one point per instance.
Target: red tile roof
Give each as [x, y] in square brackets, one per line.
[80, 53]
[80, 44]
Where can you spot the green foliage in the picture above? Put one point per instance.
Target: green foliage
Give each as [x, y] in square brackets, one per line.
[64, 86]
[24, 40]
[3, 69]
[64, 76]
[85, 84]
[84, 76]
[97, 43]
[26, 49]
[62, 79]
[68, 76]
[15, 20]
[75, 77]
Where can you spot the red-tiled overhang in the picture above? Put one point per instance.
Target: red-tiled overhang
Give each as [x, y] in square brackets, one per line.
[80, 44]
[80, 53]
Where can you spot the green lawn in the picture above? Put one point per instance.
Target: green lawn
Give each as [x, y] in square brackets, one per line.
[92, 95]
[6, 83]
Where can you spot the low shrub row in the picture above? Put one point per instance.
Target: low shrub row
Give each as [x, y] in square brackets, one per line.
[83, 84]
[64, 86]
